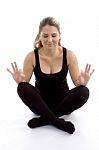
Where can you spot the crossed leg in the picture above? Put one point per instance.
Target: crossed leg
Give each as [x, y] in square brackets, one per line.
[74, 100]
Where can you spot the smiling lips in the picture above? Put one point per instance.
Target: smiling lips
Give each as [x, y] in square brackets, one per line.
[50, 45]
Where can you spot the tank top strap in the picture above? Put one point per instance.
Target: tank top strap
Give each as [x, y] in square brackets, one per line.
[64, 56]
[36, 57]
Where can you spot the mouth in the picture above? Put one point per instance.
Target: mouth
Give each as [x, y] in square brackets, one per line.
[49, 45]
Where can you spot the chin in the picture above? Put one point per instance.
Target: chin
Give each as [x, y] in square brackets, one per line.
[50, 47]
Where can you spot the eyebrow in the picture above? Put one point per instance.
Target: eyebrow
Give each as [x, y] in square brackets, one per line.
[47, 33]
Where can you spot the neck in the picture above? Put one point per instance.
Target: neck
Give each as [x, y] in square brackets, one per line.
[51, 52]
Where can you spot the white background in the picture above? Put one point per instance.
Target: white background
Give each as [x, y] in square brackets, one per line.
[19, 21]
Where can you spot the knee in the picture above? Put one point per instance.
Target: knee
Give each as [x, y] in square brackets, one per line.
[21, 87]
[25, 88]
[84, 91]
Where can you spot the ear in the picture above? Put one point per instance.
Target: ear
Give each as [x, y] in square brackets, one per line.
[59, 43]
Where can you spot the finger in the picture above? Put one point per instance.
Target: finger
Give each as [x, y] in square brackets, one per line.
[86, 68]
[13, 67]
[16, 67]
[92, 72]
[81, 73]
[9, 71]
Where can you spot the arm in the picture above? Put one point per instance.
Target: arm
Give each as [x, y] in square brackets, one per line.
[28, 67]
[73, 67]
[78, 77]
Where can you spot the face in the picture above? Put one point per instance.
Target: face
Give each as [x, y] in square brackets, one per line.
[49, 37]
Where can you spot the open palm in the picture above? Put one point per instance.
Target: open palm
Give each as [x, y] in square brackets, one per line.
[17, 74]
[85, 75]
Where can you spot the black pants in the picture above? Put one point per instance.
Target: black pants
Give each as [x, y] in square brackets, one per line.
[31, 97]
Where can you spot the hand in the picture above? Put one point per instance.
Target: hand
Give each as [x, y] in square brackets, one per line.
[85, 75]
[17, 74]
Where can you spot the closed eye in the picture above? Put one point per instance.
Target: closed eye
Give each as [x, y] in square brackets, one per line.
[46, 35]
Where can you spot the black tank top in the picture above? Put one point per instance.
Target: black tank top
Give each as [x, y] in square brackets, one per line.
[50, 83]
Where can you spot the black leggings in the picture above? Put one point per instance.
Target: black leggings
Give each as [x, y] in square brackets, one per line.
[72, 101]
[31, 97]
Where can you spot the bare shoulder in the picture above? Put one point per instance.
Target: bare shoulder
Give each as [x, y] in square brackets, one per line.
[71, 57]
[30, 55]
[70, 54]
[30, 58]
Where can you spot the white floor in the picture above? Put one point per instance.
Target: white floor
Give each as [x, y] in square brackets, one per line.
[80, 32]
[15, 134]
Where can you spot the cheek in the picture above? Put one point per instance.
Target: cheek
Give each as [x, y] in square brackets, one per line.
[43, 41]
[56, 40]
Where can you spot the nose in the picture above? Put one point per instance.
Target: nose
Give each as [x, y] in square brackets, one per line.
[49, 39]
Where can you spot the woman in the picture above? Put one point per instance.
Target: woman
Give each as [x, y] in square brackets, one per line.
[50, 62]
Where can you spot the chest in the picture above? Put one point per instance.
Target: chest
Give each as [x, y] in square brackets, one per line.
[51, 65]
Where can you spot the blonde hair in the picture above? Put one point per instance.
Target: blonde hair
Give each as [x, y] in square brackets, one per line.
[46, 21]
